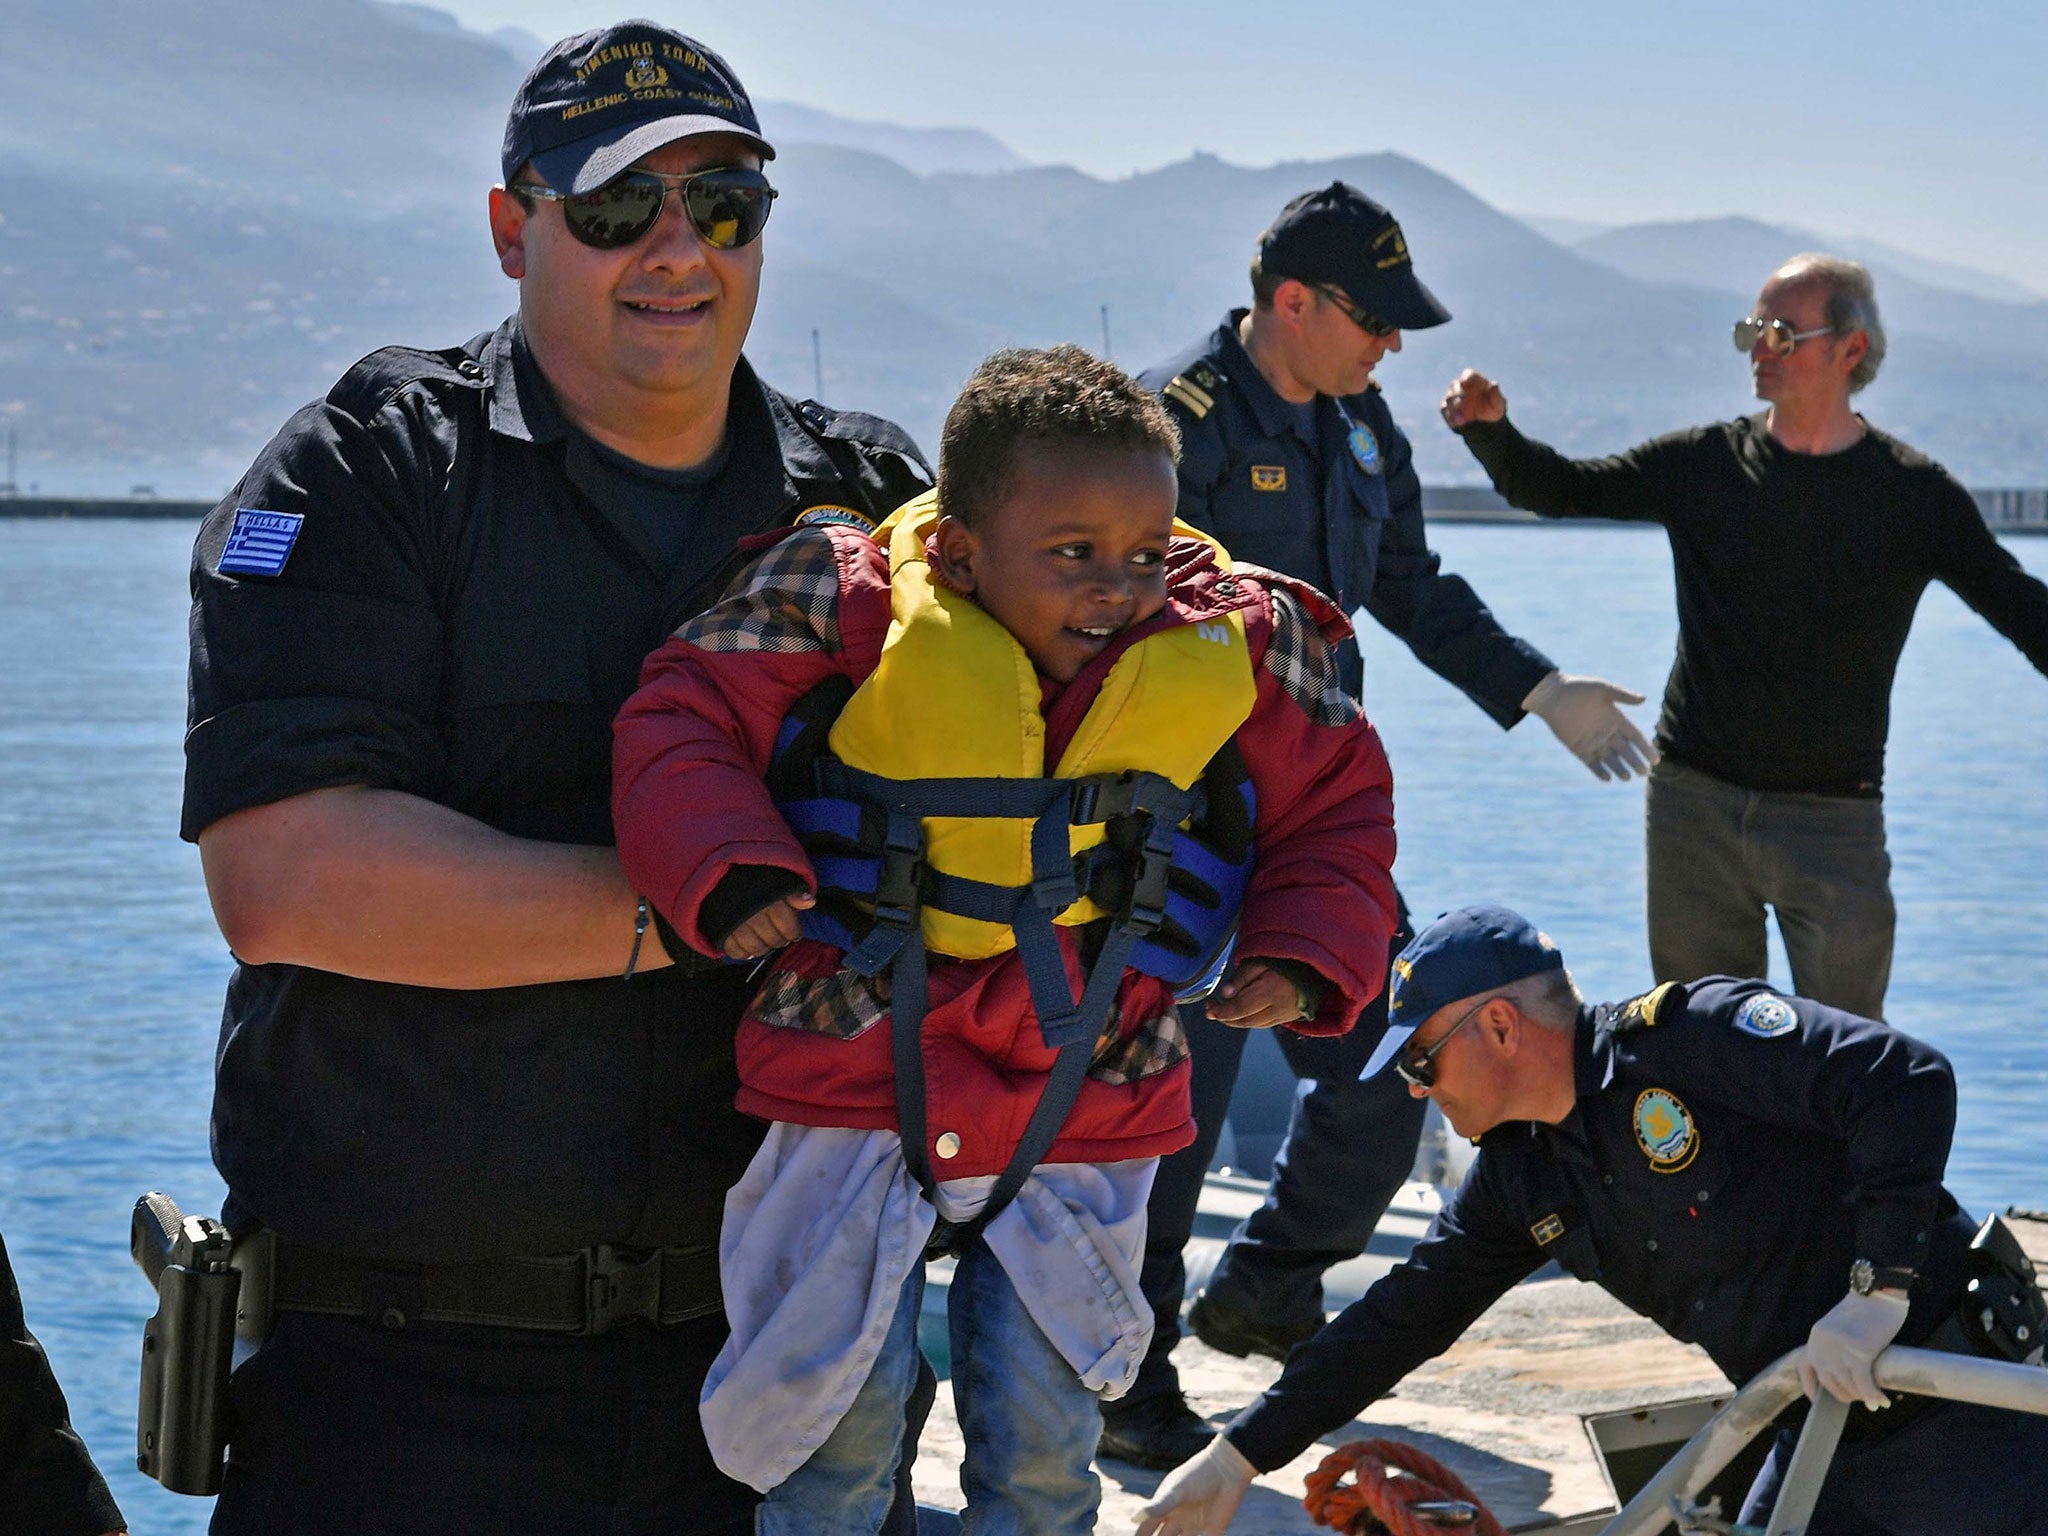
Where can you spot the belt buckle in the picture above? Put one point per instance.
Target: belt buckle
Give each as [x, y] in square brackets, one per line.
[619, 1285]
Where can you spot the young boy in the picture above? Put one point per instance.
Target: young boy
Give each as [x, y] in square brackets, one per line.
[1000, 774]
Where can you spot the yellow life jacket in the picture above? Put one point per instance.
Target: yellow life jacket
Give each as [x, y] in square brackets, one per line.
[955, 696]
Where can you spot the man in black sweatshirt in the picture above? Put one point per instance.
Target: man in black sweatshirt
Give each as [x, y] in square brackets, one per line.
[1802, 538]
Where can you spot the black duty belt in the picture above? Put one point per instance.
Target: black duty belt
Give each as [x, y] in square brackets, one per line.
[590, 1291]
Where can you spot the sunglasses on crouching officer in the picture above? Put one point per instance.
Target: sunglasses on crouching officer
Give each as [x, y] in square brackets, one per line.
[727, 206]
[1417, 1066]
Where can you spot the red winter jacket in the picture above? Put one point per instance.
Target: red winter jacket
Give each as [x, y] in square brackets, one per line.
[691, 751]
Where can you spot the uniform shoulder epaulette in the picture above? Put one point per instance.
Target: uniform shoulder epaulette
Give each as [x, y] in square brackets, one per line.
[1657, 1006]
[860, 427]
[363, 391]
[1195, 388]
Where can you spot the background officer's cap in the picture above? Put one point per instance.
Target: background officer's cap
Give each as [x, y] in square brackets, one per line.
[1461, 954]
[598, 101]
[1341, 236]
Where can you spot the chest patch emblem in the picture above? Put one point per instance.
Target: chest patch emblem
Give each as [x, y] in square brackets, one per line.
[1664, 1130]
[1766, 1017]
[1269, 477]
[1365, 448]
[1549, 1229]
[845, 517]
[259, 543]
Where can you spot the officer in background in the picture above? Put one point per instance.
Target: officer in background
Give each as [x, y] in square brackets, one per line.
[1291, 458]
[1753, 1173]
[488, 1124]
[48, 1484]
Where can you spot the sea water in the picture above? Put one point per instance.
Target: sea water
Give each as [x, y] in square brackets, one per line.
[111, 969]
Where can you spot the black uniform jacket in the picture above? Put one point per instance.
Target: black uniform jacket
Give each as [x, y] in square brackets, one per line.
[458, 619]
[1731, 1154]
[48, 1484]
[1343, 512]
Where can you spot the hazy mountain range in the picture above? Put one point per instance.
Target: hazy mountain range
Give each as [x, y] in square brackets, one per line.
[208, 210]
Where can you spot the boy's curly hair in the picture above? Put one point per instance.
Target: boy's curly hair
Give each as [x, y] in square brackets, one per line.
[1040, 395]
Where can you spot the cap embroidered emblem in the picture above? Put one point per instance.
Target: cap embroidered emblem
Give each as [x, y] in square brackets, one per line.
[1664, 1130]
[827, 513]
[645, 75]
[1269, 477]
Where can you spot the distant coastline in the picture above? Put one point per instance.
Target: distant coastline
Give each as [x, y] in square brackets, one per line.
[2006, 509]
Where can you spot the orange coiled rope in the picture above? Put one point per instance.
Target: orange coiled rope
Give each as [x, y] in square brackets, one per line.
[1387, 1477]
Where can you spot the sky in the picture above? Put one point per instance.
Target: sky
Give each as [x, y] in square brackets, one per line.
[1924, 129]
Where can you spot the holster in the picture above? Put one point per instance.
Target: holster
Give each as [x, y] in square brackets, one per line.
[2003, 1314]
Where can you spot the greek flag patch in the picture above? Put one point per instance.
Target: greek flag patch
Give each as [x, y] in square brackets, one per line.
[260, 542]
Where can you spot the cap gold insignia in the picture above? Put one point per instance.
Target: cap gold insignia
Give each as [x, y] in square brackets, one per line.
[1269, 477]
[645, 75]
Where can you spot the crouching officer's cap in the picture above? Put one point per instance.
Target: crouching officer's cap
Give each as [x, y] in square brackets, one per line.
[1341, 236]
[1461, 954]
[598, 101]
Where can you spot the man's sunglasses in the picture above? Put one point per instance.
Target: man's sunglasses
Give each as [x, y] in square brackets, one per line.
[1777, 336]
[1364, 319]
[1418, 1068]
[727, 208]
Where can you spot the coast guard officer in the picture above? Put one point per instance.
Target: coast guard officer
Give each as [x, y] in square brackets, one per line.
[487, 1125]
[1291, 457]
[1753, 1173]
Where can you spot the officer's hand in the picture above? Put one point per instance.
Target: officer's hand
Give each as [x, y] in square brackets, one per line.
[1581, 712]
[1846, 1343]
[1255, 996]
[768, 929]
[1200, 1497]
[1473, 397]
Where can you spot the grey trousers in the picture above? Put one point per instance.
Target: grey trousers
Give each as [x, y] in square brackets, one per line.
[1719, 854]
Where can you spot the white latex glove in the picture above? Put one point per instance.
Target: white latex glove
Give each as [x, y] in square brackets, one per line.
[1844, 1344]
[1199, 1498]
[1581, 712]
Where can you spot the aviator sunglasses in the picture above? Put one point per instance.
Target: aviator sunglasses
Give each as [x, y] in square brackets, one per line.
[1418, 1068]
[1364, 319]
[727, 208]
[1777, 336]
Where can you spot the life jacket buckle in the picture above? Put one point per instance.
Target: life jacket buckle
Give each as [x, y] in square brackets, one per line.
[897, 888]
[1150, 877]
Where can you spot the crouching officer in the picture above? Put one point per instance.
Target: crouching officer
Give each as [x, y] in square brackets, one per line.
[486, 1125]
[1754, 1173]
[1291, 457]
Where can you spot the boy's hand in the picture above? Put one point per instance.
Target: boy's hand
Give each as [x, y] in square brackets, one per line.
[1255, 996]
[768, 929]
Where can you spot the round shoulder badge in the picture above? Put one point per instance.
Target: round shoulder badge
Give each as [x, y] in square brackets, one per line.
[1365, 448]
[1766, 1017]
[1664, 1130]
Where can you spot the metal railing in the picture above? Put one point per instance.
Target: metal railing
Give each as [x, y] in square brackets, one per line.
[1929, 1373]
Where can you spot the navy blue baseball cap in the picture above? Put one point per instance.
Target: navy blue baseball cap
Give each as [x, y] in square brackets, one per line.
[1340, 236]
[598, 101]
[1461, 954]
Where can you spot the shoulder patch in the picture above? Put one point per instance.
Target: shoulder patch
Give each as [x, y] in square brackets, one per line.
[830, 513]
[363, 391]
[260, 542]
[1765, 1017]
[1652, 1008]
